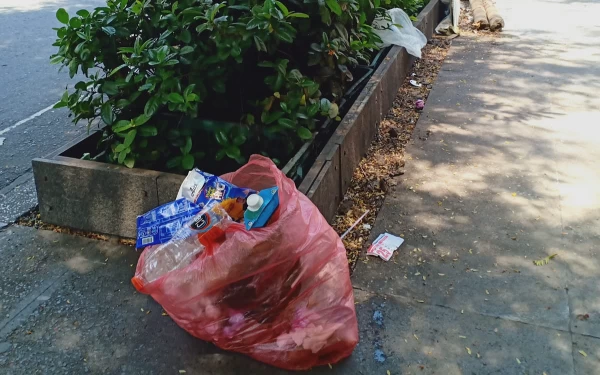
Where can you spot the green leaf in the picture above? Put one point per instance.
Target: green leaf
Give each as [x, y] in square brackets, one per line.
[73, 66]
[141, 119]
[129, 162]
[185, 149]
[83, 13]
[186, 50]
[220, 154]
[121, 126]
[298, 15]
[120, 147]
[148, 131]
[110, 88]
[283, 8]
[107, 114]
[304, 133]
[266, 64]
[238, 7]
[202, 28]
[342, 32]
[62, 16]
[325, 15]
[122, 103]
[60, 104]
[192, 98]
[117, 69]
[239, 140]
[185, 36]
[174, 162]
[56, 59]
[75, 22]
[130, 137]
[233, 152]
[287, 123]
[109, 30]
[187, 162]
[334, 6]
[152, 105]
[122, 156]
[176, 98]
[221, 138]
[188, 90]
[260, 45]
[333, 110]
[257, 23]
[64, 100]
[285, 35]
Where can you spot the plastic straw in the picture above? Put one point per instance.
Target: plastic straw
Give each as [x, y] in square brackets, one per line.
[353, 225]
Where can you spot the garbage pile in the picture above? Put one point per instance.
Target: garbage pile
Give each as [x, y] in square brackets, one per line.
[249, 263]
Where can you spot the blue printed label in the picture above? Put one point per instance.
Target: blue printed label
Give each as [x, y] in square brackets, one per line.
[160, 224]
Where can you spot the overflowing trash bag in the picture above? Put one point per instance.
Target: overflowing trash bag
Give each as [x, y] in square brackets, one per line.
[280, 294]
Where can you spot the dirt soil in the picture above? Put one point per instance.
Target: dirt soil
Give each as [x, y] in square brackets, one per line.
[385, 159]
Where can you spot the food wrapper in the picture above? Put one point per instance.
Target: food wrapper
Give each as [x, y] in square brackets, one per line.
[200, 187]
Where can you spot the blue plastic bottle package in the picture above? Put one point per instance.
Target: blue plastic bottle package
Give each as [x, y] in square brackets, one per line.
[160, 224]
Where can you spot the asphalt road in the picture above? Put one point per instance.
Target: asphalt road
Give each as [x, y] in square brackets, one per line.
[29, 86]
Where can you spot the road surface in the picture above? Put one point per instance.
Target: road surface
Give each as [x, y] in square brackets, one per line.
[29, 86]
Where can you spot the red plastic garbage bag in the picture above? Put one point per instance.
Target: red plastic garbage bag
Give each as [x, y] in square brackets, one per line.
[280, 294]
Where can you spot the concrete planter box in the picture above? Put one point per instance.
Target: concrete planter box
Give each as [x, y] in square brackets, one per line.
[328, 179]
[107, 198]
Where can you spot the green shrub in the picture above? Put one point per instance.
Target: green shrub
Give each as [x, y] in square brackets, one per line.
[177, 81]
[411, 7]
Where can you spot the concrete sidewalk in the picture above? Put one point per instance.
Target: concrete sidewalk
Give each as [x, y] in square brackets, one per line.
[503, 169]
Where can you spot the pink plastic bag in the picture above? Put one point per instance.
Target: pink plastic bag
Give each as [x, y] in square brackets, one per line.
[280, 294]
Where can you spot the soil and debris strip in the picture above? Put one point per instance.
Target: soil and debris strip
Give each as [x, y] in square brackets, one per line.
[375, 174]
[32, 219]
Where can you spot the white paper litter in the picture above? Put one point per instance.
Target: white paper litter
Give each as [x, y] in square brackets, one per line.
[384, 246]
[191, 187]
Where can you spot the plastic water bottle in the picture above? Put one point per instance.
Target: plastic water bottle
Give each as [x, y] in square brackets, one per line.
[200, 232]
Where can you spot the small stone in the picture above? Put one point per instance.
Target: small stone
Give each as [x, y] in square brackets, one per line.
[393, 132]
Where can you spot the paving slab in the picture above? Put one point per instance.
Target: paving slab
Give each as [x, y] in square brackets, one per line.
[502, 170]
[90, 319]
[405, 337]
[477, 203]
[586, 362]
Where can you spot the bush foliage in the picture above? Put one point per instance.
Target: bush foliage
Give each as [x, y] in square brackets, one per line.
[178, 81]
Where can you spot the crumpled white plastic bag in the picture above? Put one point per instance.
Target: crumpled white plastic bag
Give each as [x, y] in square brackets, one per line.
[407, 36]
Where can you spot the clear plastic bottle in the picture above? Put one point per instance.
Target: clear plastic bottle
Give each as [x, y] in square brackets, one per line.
[200, 232]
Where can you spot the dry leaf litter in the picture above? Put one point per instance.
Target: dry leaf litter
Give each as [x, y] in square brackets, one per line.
[32, 219]
[384, 162]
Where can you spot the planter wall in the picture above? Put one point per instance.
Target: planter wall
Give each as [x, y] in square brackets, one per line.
[328, 179]
[106, 198]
